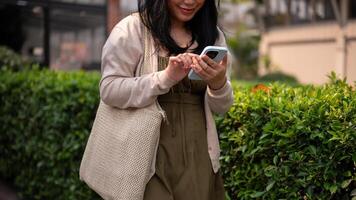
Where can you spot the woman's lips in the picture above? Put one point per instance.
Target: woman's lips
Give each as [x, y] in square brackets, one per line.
[186, 11]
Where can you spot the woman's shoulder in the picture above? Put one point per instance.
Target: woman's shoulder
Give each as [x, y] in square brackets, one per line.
[126, 32]
[131, 24]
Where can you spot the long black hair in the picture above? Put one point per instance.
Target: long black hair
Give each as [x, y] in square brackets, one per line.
[203, 26]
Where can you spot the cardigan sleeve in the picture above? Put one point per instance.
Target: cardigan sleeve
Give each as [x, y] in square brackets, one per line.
[122, 53]
[221, 100]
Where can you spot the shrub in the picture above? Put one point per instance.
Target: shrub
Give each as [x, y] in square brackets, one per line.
[45, 119]
[290, 143]
[9, 60]
[278, 143]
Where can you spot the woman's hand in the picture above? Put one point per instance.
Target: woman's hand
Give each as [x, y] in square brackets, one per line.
[179, 66]
[214, 74]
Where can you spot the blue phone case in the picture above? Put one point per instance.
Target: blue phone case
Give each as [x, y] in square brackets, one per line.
[221, 54]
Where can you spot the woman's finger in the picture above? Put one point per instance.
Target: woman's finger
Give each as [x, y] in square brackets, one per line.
[184, 59]
[210, 62]
[224, 61]
[188, 59]
[203, 74]
[176, 60]
[200, 71]
[206, 67]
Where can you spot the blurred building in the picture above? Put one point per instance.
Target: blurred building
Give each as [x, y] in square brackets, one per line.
[62, 34]
[309, 38]
[235, 16]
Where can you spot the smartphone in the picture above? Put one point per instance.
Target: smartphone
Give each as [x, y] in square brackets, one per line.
[214, 52]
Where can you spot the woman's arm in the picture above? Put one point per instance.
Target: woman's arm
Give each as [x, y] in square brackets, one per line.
[121, 55]
[220, 100]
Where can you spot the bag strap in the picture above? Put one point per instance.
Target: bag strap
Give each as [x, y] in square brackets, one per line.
[147, 54]
[148, 63]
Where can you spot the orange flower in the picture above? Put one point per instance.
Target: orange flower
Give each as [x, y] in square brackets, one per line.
[260, 86]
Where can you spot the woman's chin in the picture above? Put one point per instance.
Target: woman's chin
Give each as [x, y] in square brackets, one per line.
[185, 18]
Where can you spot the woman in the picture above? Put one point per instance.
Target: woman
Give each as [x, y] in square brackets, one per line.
[187, 161]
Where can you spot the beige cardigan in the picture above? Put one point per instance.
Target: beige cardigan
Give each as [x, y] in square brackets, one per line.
[123, 55]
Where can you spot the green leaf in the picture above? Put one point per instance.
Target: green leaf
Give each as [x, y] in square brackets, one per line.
[270, 185]
[353, 192]
[346, 183]
[257, 194]
[312, 149]
[333, 189]
[301, 174]
[275, 159]
[227, 197]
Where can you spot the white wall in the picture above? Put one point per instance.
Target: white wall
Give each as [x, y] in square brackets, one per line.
[310, 52]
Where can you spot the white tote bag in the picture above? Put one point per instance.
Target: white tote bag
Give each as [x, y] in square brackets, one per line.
[121, 148]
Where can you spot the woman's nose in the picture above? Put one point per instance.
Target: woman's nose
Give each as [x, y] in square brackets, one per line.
[189, 1]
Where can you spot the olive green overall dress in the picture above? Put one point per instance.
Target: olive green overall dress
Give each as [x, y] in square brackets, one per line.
[183, 166]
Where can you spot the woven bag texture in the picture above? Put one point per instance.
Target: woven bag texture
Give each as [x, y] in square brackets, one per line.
[122, 144]
[119, 152]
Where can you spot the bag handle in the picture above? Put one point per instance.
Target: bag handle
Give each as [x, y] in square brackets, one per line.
[147, 54]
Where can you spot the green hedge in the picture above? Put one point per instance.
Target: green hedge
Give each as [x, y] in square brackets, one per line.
[288, 143]
[45, 119]
[278, 76]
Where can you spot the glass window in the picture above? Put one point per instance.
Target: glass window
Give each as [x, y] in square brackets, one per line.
[85, 2]
[282, 12]
[23, 30]
[77, 37]
[76, 31]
